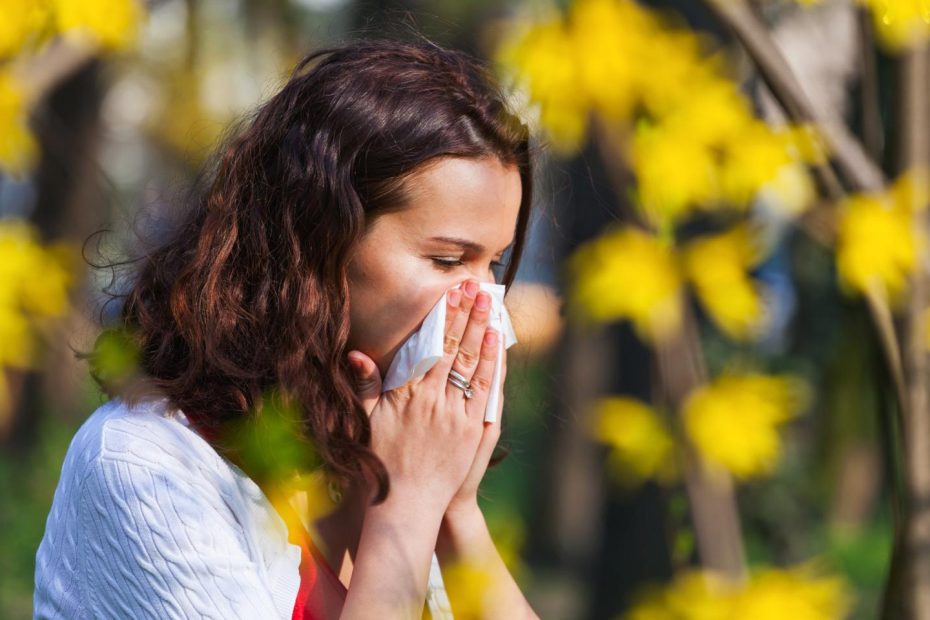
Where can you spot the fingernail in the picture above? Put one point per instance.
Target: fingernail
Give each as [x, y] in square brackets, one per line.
[483, 302]
[471, 288]
[490, 337]
[455, 297]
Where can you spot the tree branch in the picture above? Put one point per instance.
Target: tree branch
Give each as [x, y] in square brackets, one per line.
[857, 167]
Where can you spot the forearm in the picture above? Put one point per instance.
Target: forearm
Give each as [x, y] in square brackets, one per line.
[391, 569]
[464, 540]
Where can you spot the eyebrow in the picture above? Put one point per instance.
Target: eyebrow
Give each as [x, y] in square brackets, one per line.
[472, 246]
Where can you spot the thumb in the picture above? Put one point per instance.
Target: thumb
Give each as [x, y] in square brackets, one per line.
[367, 379]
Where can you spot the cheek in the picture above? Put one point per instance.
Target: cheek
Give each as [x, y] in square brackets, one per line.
[387, 306]
[416, 299]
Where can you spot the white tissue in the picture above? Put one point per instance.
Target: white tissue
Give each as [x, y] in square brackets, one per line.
[425, 347]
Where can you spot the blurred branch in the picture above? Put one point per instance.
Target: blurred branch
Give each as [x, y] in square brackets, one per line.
[681, 369]
[754, 36]
[41, 73]
[872, 129]
[713, 501]
[884, 323]
[915, 152]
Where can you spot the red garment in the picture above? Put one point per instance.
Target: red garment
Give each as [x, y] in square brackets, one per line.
[321, 594]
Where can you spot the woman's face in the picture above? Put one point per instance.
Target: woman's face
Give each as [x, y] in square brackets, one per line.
[396, 273]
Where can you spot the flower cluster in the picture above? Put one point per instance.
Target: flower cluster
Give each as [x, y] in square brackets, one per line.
[733, 423]
[900, 24]
[799, 593]
[878, 238]
[27, 24]
[630, 274]
[34, 284]
[671, 102]
[26, 27]
[17, 145]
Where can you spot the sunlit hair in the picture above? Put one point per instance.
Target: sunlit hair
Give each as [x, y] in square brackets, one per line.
[249, 293]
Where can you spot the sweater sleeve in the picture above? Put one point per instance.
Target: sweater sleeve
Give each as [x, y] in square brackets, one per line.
[156, 546]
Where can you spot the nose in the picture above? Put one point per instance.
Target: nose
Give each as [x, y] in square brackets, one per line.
[485, 278]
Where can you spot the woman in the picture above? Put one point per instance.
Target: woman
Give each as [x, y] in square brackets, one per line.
[382, 176]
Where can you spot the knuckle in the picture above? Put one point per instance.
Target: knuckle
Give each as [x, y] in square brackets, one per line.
[480, 317]
[481, 382]
[467, 358]
[403, 393]
[451, 344]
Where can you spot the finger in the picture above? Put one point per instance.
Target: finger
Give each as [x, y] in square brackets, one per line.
[492, 430]
[484, 374]
[453, 303]
[453, 335]
[367, 379]
[466, 360]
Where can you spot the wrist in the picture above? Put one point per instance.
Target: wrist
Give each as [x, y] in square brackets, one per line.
[463, 512]
[462, 532]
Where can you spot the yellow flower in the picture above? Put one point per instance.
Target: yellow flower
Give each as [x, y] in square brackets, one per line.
[308, 497]
[791, 191]
[680, 74]
[22, 23]
[731, 156]
[112, 24]
[717, 267]
[627, 274]
[609, 38]
[34, 277]
[641, 446]
[714, 112]
[668, 190]
[543, 58]
[804, 142]
[33, 286]
[17, 340]
[48, 295]
[752, 159]
[18, 149]
[911, 189]
[797, 593]
[900, 23]
[469, 587]
[692, 595]
[878, 240]
[734, 421]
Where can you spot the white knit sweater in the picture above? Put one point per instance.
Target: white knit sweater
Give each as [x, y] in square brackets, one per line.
[148, 521]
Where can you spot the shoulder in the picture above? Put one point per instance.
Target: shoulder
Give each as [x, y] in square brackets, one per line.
[148, 434]
[147, 513]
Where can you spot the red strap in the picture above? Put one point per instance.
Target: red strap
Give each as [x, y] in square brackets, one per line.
[308, 578]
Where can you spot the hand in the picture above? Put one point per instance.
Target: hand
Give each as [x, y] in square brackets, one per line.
[466, 498]
[426, 432]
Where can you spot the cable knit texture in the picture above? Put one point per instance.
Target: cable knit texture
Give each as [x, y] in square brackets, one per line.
[148, 521]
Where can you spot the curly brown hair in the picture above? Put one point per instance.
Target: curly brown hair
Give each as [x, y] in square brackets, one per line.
[249, 292]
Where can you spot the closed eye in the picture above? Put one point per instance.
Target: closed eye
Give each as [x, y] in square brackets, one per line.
[450, 263]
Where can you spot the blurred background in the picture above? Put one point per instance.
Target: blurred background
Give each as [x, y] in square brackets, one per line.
[713, 410]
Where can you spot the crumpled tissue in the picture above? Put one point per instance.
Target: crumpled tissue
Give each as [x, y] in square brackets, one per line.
[425, 347]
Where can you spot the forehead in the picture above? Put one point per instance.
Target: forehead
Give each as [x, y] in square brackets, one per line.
[477, 199]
